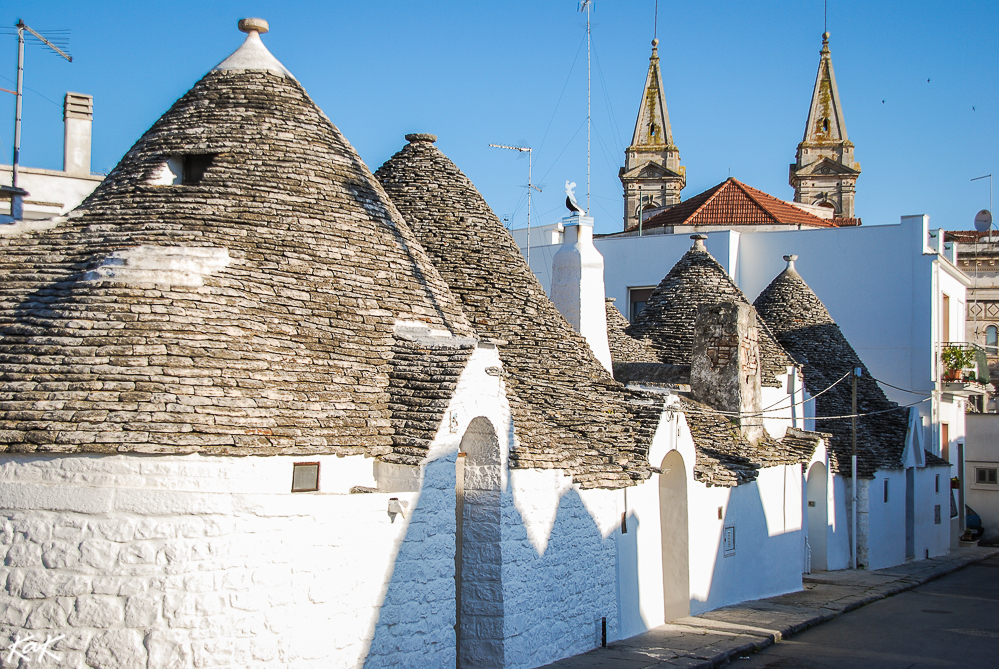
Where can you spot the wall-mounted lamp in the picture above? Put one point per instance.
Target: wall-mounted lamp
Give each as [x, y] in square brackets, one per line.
[396, 506]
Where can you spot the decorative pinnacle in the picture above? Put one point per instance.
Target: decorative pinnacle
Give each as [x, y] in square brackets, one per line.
[825, 43]
[655, 47]
[421, 137]
[790, 262]
[258, 26]
[699, 243]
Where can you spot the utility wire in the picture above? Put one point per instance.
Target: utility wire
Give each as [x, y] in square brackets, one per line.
[904, 390]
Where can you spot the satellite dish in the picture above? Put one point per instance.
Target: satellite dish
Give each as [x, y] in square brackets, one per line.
[983, 220]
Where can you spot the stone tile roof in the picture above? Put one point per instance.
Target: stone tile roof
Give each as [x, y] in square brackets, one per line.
[667, 321]
[803, 325]
[935, 460]
[421, 383]
[733, 203]
[725, 458]
[567, 411]
[250, 313]
[622, 347]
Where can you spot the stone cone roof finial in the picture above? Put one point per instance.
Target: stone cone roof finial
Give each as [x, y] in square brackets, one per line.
[790, 263]
[253, 55]
[699, 243]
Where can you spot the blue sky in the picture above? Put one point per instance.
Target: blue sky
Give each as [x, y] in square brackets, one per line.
[738, 78]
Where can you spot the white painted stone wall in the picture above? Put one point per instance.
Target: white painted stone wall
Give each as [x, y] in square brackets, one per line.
[50, 192]
[931, 538]
[766, 514]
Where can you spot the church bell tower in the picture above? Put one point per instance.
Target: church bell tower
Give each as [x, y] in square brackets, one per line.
[652, 174]
[825, 172]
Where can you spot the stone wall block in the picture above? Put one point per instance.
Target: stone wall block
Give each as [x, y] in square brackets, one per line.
[115, 530]
[117, 649]
[14, 611]
[24, 555]
[168, 650]
[101, 555]
[60, 555]
[137, 553]
[143, 610]
[48, 614]
[100, 611]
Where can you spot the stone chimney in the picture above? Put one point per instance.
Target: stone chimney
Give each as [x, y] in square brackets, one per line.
[78, 116]
[725, 369]
[578, 285]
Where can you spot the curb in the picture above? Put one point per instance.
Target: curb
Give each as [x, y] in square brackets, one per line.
[791, 631]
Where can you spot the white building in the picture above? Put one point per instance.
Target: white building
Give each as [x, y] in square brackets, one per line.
[53, 192]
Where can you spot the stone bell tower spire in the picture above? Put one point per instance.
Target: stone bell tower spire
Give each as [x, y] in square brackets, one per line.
[652, 175]
[825, 172]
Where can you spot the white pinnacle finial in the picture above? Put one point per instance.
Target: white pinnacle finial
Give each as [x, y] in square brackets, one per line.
[253, 55]
[259, 26]
[790, 262]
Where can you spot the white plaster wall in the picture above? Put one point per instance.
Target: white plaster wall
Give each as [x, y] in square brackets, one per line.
[886, 521]
[982, 449]
[838, 539]
[931, 539]
[767, 518]
[60, 191]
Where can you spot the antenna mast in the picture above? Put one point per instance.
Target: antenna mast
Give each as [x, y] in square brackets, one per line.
[530, 186]
[587, 5]
[21, 27]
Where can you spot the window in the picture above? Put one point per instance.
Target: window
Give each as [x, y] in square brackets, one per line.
[305, 477]
[936, 485]
[986, 475]
[886, 491]
[945, 318]
[945, 441]
[992, 340]
[728, 541]
[637, 297]
[195, 166]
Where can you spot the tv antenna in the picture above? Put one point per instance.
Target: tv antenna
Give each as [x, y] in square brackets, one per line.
[21, 27]
[587, 5]
[530, 186]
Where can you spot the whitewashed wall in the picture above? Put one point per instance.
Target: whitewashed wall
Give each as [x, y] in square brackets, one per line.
[886, 520]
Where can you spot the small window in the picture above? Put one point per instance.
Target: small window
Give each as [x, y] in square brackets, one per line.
[825, 126]
[886, 491]
[986, 475]
[936, 514]
[936, 484]
[992, 340]
[195, 166]
[305, 477]
[637, 297]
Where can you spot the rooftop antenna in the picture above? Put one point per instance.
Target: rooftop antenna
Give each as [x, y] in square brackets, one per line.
[21, 27]
[587, 5]
[825, 16]
[530, 186]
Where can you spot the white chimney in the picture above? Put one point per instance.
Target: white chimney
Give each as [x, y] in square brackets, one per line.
[78, 116]
[578, 285]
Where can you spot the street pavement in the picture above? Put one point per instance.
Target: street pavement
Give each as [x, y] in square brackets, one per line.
[735, 634]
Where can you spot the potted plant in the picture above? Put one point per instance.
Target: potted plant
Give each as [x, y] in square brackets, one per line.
[954, 360]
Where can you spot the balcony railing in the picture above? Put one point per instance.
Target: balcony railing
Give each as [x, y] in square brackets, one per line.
[963, 368]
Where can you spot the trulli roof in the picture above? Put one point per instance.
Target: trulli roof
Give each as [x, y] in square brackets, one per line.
[251, 311]
[567, 411]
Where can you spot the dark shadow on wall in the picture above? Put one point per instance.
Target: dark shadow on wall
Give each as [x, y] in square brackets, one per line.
[415, 625]
[764, 562]
[551, 603]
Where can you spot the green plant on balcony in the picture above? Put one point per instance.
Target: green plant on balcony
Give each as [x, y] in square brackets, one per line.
[955, 359]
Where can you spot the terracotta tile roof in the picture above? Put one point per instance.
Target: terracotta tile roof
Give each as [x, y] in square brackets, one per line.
[734, 203]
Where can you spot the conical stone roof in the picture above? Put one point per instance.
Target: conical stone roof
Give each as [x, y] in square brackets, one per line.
[667, 321]
[802, 324]
[567, 411]
[250, 307]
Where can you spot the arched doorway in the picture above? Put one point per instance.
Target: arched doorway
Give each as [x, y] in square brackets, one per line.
[818, 515]
[478, 587]
[673, 525]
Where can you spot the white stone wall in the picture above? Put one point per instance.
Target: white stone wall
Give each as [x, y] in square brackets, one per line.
[208, 561]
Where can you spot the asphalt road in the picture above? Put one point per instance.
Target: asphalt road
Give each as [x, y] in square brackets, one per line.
[951, 622]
